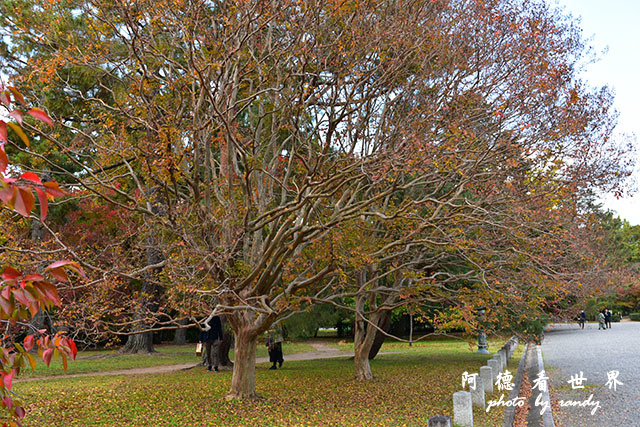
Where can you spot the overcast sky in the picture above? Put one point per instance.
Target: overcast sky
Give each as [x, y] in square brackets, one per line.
[615, 24]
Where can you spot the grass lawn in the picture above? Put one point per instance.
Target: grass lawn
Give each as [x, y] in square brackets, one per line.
[111, 360]
[408, 389]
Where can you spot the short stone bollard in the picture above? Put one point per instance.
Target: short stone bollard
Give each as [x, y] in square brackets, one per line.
[477, 394]
[462, 410]
[503, 356]
[486, 373]
[439, 421]
[498, 359]
[495, 368]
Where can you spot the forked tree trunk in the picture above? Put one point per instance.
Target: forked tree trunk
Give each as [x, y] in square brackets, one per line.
[362, 366]
[363, 342]
[385, 323]
[243, 383]
[363, 338]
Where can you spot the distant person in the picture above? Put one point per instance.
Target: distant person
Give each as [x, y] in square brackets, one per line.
[274, 345]
[601, 317]
[581, 319]
[607, 318]
[212, 339]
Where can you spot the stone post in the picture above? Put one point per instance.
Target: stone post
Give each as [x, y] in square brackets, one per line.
[477, 395]
[462, 410]
[439, 421]
[495, 368]
[498, 359]
[486, 373]
[503, 356]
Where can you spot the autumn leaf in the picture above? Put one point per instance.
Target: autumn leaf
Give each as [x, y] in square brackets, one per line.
[17, 95]
[17, 114]
[44, 203]
[24, 201]
[19, 132]
[47, 355]
[4, 161]
[30, 176]
[40, 115]
[29, 342]
[3, 131]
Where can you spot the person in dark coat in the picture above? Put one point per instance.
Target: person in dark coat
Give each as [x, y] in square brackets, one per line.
[212, 337]
[274, 345]
[581, 319]
[607, 318]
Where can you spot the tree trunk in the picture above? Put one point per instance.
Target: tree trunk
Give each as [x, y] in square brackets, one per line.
[225, 347]
[362, 366]
[385, 323]
[243, 384]
[410, 330]
[364, 335]
[139, 343]
[180, 337]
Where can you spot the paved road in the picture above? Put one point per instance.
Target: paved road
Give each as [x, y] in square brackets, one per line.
[568, 350]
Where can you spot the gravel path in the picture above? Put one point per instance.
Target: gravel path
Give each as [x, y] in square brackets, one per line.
[567, 350]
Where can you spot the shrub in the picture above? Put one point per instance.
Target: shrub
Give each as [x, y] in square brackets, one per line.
[634, 316]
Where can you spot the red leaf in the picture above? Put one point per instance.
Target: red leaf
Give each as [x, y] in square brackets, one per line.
[17, 95]
[21, 296]
[20, 412]
[3, 131]
[30, 176]
[4, 160]
[17, 114]
[40, 115]
[66, 263]
[53, 189]
[33, 277]
[74, 349]
[8, 402]
[10, 273]
[24, 202]
[7, 193]
[29, 342]
[50, 291]
[59, 274]
[44, 204]
[7, 379]
[47, 355]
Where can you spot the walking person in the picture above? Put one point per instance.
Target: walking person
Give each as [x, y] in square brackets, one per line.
[274, 344]
[607, 318]
[581, 319]
[212, 337]
[601, 318]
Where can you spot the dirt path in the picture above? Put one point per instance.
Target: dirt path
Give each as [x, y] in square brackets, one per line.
[323, 351]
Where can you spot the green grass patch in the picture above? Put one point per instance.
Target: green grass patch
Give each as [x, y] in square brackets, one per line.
[408, 389]
[111, 360]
